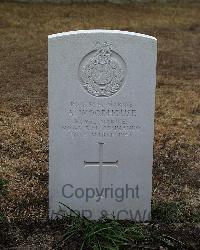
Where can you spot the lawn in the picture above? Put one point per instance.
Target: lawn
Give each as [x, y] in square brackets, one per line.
[24, 120]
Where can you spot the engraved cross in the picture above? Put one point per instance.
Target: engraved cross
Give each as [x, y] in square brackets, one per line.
[100, 164]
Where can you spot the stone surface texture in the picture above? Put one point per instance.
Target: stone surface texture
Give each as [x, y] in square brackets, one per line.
[101, 123]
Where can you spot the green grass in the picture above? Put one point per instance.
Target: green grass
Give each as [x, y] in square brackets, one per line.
[2, 216]
[3, 186]
[3, 191]
[111, 234]
[100, 235]
[174, 212]
[168, 212]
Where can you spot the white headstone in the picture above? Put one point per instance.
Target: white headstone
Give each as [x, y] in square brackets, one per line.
[101, 122]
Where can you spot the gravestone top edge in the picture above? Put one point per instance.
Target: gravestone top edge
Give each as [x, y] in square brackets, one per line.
[104, 31]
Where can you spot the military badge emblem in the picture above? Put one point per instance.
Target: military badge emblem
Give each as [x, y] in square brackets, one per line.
[102, 71]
